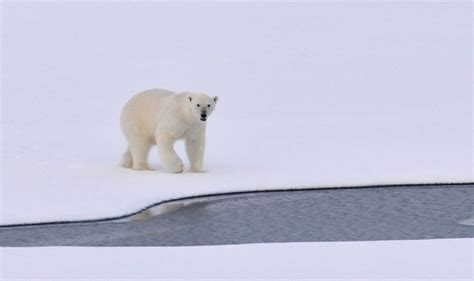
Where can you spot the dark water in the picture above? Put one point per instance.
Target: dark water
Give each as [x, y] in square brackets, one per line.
[318, 215]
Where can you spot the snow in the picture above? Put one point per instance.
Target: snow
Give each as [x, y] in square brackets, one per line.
[448, 259]
[311, 95]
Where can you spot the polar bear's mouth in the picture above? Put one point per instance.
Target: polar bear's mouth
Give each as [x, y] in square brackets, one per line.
[203, 119]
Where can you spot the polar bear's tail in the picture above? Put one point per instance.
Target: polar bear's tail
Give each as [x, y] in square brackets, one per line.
[127, 160]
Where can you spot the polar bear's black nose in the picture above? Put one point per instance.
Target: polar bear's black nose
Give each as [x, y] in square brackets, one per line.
[203, 115]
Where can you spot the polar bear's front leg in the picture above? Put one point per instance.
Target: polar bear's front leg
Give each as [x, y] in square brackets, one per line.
[195, 150]
[168, 156]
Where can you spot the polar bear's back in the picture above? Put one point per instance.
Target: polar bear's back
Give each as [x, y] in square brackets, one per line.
[140, 114]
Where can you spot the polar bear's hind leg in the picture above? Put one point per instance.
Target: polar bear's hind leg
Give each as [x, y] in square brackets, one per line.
[139, 152]
[127, 160]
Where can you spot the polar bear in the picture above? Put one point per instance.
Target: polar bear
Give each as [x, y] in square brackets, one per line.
[161, 117]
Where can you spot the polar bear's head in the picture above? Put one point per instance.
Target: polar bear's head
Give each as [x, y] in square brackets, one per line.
[202, 105]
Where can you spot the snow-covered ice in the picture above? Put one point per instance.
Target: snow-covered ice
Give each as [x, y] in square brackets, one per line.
[445, 259]
[311, 95]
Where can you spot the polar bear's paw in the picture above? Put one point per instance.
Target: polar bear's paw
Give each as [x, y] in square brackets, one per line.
[175, 167]
[140, 166]
[197, 170]
[126, 164]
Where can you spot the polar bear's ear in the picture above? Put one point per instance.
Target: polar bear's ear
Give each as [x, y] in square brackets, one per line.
[215, 98]
[190, 99]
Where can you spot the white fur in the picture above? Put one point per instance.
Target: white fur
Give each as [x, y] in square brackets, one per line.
[161, 117]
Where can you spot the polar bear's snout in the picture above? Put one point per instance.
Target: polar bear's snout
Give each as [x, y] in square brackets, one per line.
[203, 116]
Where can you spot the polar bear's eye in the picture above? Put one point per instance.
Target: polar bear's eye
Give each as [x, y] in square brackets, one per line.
[208, 105]
[198, 105]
